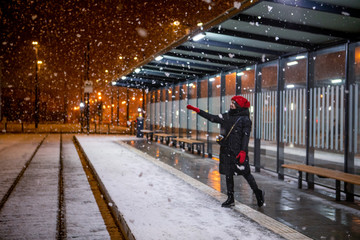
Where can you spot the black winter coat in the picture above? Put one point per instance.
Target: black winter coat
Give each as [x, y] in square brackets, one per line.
[237, 141]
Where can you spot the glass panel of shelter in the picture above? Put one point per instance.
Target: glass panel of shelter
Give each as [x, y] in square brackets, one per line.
[148, 112]
[202, 103]
[245, 86]
[169, 110]
[183, 110]
[292, 115]
[192, 100]
[353, 157]
[157, 109]
[266, 114]
[214, 88]
[327, 110]
[153, 110]
[175, 113]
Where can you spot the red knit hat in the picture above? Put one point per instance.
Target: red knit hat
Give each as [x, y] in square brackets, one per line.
[241, 101]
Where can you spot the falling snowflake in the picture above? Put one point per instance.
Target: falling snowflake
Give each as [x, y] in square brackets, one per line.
[269, 8]
[231, 55]
[142, 32]
[345, 13]
[237, 5]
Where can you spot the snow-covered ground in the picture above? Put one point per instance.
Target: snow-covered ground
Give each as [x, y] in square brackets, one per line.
[156, 200]
[157, 204]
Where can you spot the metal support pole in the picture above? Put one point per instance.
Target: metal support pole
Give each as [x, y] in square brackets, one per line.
[112, 107]
[310, 152]
[87, 112]
[118, 108]
[36, 110]
[257, 148]
[350, 134]
[279, 123]
[127, 104]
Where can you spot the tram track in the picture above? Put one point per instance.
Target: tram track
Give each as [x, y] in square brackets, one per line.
[61, 219]
[31, 179]
[21, 173]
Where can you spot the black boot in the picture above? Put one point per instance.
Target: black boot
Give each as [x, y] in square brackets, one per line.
[229, 201]
[260, 197]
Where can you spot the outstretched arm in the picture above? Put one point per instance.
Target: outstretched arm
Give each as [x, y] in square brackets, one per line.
[208, 116]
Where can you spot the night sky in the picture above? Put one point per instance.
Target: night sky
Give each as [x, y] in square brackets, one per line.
[112, 28]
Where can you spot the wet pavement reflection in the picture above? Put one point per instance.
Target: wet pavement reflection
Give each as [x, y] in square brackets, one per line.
[314, 213]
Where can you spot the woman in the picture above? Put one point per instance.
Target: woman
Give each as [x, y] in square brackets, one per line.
[234, 160]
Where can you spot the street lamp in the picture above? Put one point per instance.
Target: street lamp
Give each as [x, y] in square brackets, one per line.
[36, 111]
[100, 106]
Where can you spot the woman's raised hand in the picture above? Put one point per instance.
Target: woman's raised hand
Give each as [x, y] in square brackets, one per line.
[193, 108]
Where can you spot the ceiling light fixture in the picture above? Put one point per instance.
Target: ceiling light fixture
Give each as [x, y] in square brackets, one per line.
[300, 57]
[292, 63]
[198, 37]
[159, 58]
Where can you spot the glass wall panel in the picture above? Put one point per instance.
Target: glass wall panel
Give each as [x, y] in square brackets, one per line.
[175, 116]
[152, 120]
[354, 102]
[247, 84]
[183, 110]
[148, 110]
[328, 109]
[191, 114]
[293, 110]
[327, 120]
[162, 109]
[202, 123]
[157, 109]
[266, 109]
[214, 108]
[169, 110]
[230, 89]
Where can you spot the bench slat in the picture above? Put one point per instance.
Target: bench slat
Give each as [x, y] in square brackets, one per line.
[329, 173]
[164, 135]
[187, 140]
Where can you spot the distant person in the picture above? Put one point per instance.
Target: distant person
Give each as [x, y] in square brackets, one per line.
[235, 133]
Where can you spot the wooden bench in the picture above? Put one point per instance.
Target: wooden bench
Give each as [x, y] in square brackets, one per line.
[163, 136]
[200, 145]
[327, 173]
[148, 133]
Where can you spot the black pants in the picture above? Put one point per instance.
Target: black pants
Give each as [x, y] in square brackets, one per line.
[230, 183]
